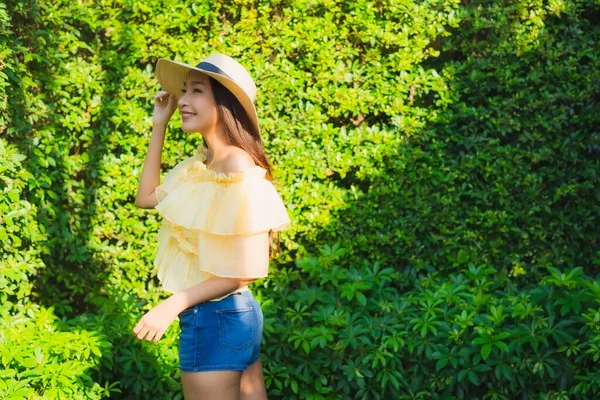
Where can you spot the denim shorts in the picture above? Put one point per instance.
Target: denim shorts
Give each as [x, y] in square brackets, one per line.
[221, 335]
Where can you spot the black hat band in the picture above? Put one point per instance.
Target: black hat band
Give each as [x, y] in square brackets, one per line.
[212, 68]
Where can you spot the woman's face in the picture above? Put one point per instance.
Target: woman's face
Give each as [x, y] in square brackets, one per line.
[196, 97]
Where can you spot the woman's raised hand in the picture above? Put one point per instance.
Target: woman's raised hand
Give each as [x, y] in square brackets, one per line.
[165, 104]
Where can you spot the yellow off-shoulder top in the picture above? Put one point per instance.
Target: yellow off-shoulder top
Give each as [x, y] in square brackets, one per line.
[214, 224]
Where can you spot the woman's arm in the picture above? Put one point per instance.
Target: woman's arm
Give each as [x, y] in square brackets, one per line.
[150, 178]
[164, 106]
[155, 322]
[209, 289]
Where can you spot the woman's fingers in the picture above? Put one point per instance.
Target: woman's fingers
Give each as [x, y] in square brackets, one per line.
[165, 104]
[150, 334]
[162, 96]
[143, 331]
[169, 101]
[154, 336]
[139, 326]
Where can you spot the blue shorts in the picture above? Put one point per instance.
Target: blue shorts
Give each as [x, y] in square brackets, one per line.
[221, 335]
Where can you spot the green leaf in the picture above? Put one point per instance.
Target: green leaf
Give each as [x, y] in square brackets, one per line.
[480, 340]
[485, 351]
[441, 363]
[361, 298]
[473, 378]
[306, 347]
[501, 345]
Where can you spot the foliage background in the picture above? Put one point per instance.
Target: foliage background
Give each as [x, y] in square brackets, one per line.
[439, 160]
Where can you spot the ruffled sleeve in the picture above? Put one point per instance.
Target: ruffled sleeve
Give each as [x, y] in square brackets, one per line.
[247, 206]
[215, 224]
[175, 177]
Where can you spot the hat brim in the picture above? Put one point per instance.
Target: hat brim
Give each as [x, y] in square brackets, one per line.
[171, 75]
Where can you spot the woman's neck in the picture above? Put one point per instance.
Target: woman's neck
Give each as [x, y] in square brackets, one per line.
[217, 148]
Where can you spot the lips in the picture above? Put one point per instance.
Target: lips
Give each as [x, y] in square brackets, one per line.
[186, 115]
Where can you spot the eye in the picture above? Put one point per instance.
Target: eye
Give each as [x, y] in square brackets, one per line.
[199, 91]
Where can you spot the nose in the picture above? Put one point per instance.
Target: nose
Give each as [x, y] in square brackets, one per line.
[181, 100]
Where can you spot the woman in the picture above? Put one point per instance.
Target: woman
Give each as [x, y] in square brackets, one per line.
[220, 210]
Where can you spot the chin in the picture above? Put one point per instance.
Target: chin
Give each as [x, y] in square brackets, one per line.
[190, 128]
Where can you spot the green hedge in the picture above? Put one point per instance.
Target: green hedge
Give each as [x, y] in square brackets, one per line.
[439, 160]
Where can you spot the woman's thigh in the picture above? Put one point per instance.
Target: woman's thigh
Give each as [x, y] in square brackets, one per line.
[218, 342]
[208, 385]
[253, 383]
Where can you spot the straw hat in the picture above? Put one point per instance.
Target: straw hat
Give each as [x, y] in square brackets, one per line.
[223, 68]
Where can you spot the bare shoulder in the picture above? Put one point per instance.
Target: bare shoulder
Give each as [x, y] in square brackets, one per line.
[237, 161]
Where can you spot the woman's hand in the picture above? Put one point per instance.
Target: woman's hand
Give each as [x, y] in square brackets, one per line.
[156, 321]
[165, 104]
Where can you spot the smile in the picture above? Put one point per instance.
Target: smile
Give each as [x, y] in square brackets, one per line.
[186, 115]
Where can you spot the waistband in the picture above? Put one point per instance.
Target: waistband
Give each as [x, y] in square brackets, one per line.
[239, 291]
[209, 303]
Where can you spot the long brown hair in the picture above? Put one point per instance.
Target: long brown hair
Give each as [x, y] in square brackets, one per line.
[239, 131]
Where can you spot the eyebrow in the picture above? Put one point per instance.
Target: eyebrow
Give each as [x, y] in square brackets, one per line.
[199, 82]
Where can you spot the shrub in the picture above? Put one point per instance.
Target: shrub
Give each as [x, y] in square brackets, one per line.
[439, 160]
